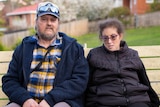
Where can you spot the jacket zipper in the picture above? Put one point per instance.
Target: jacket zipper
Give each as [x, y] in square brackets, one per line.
[61, 62]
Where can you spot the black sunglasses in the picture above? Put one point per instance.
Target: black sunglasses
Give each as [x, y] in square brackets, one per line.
[111, 37]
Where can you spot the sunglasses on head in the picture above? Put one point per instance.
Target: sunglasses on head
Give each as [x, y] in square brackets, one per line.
[111, 37]
[48, 7]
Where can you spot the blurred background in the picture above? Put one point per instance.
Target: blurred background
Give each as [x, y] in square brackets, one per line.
[80, 19]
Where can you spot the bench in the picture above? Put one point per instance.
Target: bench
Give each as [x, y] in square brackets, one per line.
[150, 56]
[5, 57]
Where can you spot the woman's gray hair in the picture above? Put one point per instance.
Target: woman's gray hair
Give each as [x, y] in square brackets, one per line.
[111, 22]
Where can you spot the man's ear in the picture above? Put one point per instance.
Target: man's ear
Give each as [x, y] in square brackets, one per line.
[35, 24]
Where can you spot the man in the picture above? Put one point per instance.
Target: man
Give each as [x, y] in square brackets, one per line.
[48, 69]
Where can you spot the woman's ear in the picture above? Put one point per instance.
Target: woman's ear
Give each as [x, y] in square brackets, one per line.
[121, 36]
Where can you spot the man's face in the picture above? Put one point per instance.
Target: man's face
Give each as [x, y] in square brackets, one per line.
[47, 27]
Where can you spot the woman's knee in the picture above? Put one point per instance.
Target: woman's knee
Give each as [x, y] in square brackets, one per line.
[62, 104]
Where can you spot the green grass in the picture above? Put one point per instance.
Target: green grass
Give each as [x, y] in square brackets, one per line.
[134, 37]
[90, 39]
[143, 36]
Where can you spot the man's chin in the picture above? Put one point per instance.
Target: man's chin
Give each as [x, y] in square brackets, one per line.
[48, 37]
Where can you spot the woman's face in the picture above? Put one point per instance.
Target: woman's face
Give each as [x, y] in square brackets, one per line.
[111, 39]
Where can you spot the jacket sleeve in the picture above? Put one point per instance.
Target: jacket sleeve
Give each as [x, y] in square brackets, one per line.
[12, 81]
[152, 94]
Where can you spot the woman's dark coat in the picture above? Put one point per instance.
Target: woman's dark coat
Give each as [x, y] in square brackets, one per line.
[117, 78]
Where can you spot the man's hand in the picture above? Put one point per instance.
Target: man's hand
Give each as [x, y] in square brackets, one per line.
[43, 103]
[30, 103]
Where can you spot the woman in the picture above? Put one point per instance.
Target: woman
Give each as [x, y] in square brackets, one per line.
[117, 74]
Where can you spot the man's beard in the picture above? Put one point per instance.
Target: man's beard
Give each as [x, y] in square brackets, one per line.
[46, 37]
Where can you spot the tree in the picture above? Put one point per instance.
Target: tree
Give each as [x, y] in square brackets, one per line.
[121, 13]
[155, 6]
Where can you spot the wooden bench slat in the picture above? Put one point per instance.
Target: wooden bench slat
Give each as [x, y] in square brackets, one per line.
[5, 55]
[4, 67]
[3, 103]
[143, 51]
[156, 87]
[2, 95]
[147, 50]
[154, 75]
[151, 63]
[1, 81]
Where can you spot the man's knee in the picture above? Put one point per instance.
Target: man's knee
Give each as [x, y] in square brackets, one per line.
[12, 105]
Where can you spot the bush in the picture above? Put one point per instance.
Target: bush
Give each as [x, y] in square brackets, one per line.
[155, 7]
[2, 22]
[2, 47]
[1, 34]
[121, 13]
[32, 31]
[16, 44]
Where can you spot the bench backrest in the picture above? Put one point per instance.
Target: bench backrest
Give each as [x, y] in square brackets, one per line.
[150, 56]
[5, 57]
